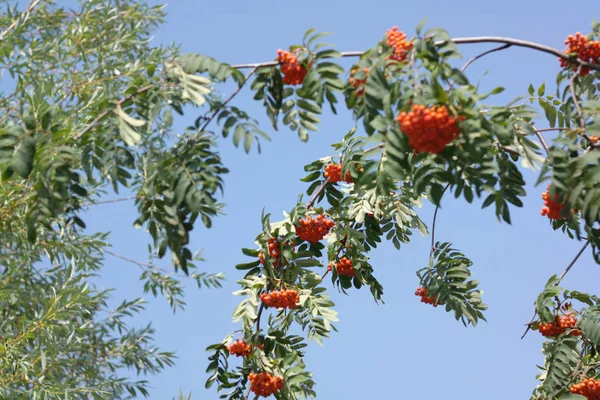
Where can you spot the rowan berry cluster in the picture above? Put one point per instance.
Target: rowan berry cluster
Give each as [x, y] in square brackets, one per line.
[293, 72]
[358, 83]
[274, 252]
[397, 41]
[559, 326]
[589, 388]
[586, 50]
[552, 207]
[281, 299]
[333, 173]
[264, 384]
[240, 348]
[344, 267]
[314, 229]
[422, 292]
[429, 130]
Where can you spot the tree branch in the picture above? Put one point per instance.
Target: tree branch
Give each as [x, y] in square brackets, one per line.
[472, 60]
[565, 272]
[209, 119]
[23, 15]
[471, 40]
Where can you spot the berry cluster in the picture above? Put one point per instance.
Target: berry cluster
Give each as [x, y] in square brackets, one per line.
[586, 50]
[429, 130]
[589, 388]
[356, 83]
[314, 229]
[559, 326]
[344, 267]
[552, 207]
[293, 71]
[333, 173]
[240, 348]
[281, 299]
[397, 41]
[274, 252]
[422, 292]
[264, 384]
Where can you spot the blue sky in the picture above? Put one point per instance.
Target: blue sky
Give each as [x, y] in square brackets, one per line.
[402, 349]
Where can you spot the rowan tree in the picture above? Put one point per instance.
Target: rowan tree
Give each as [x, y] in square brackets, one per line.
[90, 108]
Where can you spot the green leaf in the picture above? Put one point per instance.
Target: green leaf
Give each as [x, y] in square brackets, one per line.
[541, 90]
[22, 161]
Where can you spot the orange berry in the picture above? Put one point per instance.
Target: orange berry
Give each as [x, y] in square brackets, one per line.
[293, 72]
[397, 41]
[344, 267]
[314, 229]
[422, 292]
[240, 348]
[333, 174]
[281, 299]
[264, 384]
[429, 130]
[585, 50]
[552, 207]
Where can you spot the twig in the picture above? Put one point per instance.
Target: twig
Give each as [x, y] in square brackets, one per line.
[478, 39]
[571, 264]
[435, 219]
[105, 112]
[23, 15]
[313, 199]
[472, 60]
[141, 264]
[209, 119]
[94, 203]
[542, 141]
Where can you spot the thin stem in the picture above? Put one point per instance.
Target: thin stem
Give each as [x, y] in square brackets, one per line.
[313, 199]
[565, 272]
[94, 203]
[435, 220]
[209, 119]
[471, 40]
[542, 141]
[472, 60]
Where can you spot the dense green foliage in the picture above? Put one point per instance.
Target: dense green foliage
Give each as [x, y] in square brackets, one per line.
[89, 108]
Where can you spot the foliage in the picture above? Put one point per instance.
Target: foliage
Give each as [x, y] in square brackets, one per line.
[102, 119]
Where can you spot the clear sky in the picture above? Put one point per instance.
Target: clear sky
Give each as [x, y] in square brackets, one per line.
[403, 349]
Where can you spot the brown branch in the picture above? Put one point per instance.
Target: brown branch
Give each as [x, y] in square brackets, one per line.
[105, 112]
[209, 119]
[477, 57]
[23, 15]
[95, 203]
[478, 39]
[565, 272]
[542, 141]
[435, 220]
[313, 199]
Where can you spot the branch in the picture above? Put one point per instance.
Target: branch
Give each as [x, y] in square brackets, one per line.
[94, 203]
[434, 221]
[313, 199]
[472, 60]
[543, 141]
[478, 39]
[23, 15]
[105, 112]
[565, 272]
[209, 119]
